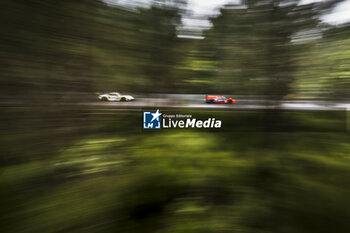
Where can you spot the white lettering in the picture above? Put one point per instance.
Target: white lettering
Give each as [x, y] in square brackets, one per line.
[190, 122]
[218, 124]
[199, 124]
[206, 124]
[164, 124]
[174, 123]
[181, 124]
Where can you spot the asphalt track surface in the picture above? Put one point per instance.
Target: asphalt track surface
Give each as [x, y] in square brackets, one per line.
[241, 104]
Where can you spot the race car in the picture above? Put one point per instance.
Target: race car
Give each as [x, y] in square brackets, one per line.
[115, 96]
[219, 100]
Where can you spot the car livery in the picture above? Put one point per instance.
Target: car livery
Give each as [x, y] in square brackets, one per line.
[218, 99]
[115, 96]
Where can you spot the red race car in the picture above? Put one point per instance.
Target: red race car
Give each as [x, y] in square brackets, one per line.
[218, 99]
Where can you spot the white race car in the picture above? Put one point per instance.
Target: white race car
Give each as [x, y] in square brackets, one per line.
[115, 96]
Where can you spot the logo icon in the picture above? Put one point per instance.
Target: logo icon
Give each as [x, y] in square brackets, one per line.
[151, 120]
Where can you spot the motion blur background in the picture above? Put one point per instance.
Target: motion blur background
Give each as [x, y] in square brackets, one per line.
[68, 166]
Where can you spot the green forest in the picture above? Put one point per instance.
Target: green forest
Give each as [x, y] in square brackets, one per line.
[66, 167]
[59, 49]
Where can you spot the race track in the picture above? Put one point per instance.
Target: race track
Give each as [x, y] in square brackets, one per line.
[241, 104]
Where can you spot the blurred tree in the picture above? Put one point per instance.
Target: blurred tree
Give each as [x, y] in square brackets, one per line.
[160, 48]
[254, 48]
[324, 68]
